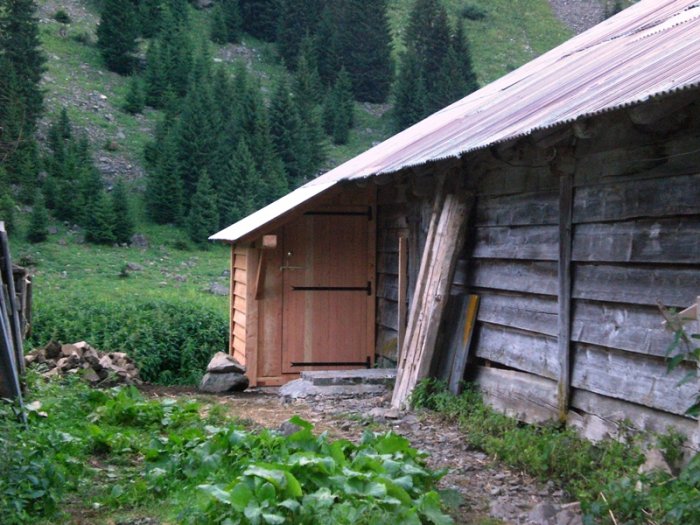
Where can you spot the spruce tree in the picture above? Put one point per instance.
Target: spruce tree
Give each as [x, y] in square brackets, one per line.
[7, 211]
[150, 13]
[218, 30]
[117, 34]
[99, 230]
[297, 19]
[238, 194]
[22, 58]
[164, 195]
[339, 109]
[203, 218]
[38, 230]
[136, 97]
[123, 226]
[368, 50]
[328, 43]
[287, 134]
[232, 18]
[260, 18]
[410, 96]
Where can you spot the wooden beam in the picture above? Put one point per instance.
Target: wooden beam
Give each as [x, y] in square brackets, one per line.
[13, 312]
[402, 292]
[566, 194]
[443, 246]
[461, 356]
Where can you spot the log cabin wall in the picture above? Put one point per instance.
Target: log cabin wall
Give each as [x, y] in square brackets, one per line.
[635, 241]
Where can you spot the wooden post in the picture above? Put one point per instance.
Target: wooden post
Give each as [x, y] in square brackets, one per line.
[12, 312]
[402, 293]
[566, 193]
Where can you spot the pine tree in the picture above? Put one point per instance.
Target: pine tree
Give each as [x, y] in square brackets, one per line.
[7, 211]
[156, 79]
[38, 230]
[123, 226]
[88, 184]
[22, 58]
[164, 195]
[339, 109]
[297, 19]
[260, 18]
[203, 218]
[456, 78]
[287, 134]
[232, 18]
[238, 194]
[99, 230]
[150, 16]
[328, 45]
[117, 34]
[135, 98]
[218, 30]
[368, 50]
[410, 96]
[307, 97]
[198, 135]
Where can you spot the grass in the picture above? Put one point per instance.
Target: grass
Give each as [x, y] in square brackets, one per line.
[603, 476]
[512, 33]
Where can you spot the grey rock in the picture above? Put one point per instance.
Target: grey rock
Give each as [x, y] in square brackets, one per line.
[53, 230]
[222, 363]
[219, 383]
[69, 350]
[542, 514]
[139, 241]
[655, 461]
[134, 267]
[218, 289]
[179, 278]
[288, 428]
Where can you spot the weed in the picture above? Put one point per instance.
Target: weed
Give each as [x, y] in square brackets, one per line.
[200, 469]
[603, 476]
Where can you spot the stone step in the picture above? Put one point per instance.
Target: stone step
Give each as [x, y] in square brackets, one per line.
[362, 376]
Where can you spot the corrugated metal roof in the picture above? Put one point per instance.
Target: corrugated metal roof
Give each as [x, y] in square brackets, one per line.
[648, 50]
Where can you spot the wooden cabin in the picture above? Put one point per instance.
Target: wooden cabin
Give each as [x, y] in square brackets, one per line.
[575, 181]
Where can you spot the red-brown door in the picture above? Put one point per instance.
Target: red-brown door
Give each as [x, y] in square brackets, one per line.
[327, 291]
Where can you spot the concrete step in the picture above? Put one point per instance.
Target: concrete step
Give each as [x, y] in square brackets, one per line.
[362, 376]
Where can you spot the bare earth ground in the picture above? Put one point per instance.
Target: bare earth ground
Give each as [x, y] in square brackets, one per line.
[492, 493]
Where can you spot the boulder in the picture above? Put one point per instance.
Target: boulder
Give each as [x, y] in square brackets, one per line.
[69, 350]
[219, 383]
[222, 363]
[218, 289]
[52, 350]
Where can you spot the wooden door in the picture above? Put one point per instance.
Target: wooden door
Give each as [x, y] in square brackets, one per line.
[327, 291]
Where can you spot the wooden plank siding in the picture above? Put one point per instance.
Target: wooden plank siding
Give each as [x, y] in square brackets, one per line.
[392, 223]
[239, 256]
[635, 243]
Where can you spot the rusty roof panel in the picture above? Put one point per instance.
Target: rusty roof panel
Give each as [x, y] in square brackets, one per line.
[649, 50]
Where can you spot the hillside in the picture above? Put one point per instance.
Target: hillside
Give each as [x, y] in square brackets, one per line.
[94, 285]
[508, 36]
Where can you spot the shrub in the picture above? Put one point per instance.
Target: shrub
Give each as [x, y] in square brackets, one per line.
[62, 17]
[472, 11]
[170, 342]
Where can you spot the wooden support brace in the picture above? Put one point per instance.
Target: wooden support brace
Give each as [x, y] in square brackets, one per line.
[269, 242]
[566, 192]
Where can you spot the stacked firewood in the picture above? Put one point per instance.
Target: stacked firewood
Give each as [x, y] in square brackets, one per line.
[95, 367]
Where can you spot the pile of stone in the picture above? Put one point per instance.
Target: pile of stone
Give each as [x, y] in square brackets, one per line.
[95, 367]
[224, 374]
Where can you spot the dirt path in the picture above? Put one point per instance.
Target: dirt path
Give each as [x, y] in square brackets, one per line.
[492, 493]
